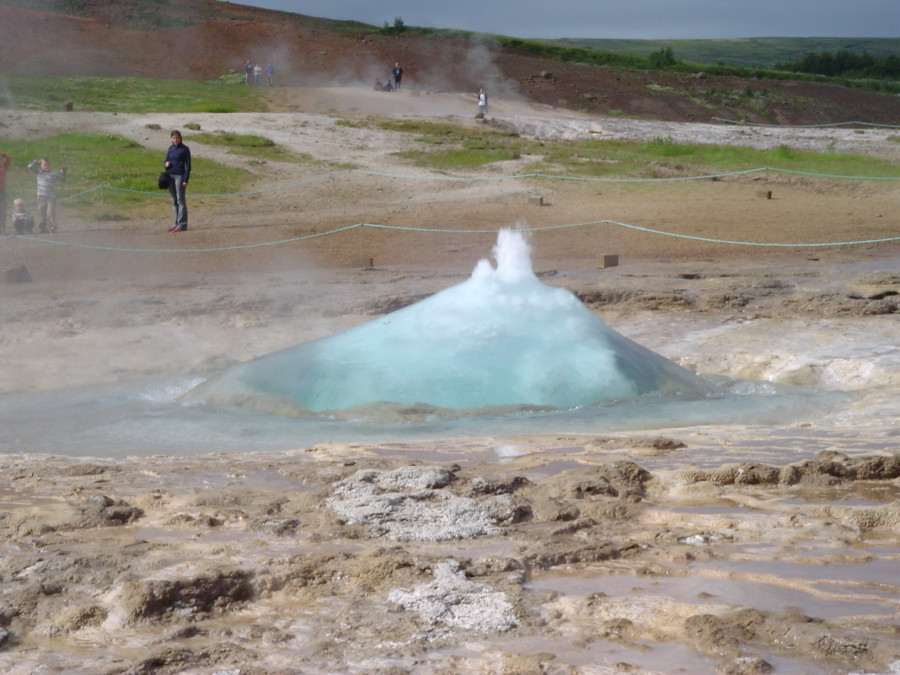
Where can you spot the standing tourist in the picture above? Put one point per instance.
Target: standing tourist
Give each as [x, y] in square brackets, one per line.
[178, 166]
[398, 75]
[5, 161]
[482, 103]
[46, 192]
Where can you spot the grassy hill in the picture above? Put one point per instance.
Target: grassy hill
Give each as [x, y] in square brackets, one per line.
[92, 45]
[749, 52]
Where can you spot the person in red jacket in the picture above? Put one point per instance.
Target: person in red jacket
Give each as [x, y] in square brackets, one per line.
[5, 161]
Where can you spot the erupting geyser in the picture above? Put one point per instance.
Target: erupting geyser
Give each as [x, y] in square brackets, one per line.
[501, 338]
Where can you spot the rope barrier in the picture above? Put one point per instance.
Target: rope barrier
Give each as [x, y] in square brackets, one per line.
[807, 126]
[573, 178]
[753, 243]
[587, 179]
[335, 174]
[831, 175]
[401, 228]
[116, 249]
[639, 228]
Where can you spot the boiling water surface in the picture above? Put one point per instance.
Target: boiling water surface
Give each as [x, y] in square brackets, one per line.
[150, 418]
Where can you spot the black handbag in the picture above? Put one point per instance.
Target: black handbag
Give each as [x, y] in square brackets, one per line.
[164, 180]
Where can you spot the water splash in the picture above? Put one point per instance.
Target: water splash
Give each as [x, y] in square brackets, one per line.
[500, 339]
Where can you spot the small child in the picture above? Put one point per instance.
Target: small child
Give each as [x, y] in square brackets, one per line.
[21, 219]
[46, 191]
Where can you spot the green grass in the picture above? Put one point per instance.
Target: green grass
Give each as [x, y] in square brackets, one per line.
[620, 159]
[128, 94]
[459, 147]
[251, 145]
[462, 158]
[113, 161]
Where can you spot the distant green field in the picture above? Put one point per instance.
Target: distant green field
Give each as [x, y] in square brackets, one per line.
[662, 55]
[746, 52]
[128, 94]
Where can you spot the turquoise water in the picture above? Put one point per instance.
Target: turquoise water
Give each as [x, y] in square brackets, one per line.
[501, 338]
[501, 353]
[145, 418]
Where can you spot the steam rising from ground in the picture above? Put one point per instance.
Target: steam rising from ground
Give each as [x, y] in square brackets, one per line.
[502, 338]
[449, 70]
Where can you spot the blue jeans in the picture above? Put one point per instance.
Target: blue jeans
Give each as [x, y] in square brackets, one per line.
[179, 204]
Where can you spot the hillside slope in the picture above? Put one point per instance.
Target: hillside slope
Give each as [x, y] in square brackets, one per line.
[205, 39]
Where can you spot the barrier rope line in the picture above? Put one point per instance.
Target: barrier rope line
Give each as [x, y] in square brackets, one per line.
[335, 174]
[831, 175]
[401, 228]
[751, 243]
[586, 179]
[573, 178]
[116, 249]
[639, 228]
[807, 126]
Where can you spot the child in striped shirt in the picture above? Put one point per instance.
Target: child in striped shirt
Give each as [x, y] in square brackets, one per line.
[46, 191]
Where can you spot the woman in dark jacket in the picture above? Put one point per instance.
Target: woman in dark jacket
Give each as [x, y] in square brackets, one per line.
[178, 166]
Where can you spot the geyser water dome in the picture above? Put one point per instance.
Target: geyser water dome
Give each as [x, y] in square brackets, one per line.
[501, 338]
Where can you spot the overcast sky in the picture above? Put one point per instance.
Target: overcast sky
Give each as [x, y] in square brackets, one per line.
[636, 19]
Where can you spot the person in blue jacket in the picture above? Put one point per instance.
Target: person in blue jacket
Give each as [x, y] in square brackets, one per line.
[178, 166]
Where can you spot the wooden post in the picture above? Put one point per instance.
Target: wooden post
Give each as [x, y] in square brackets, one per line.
[608, 260]
[18, 275]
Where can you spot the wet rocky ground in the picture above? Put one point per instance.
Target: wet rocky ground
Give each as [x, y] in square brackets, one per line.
[551, 555]
[730, 549]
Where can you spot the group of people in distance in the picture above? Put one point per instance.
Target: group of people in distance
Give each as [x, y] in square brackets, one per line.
[253, 73]
[396, 76]
[22, 220]
[177, 165]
